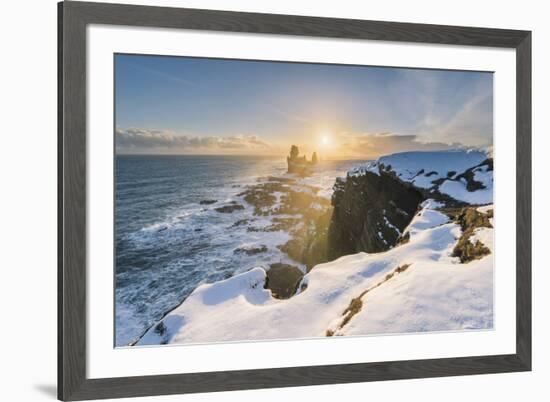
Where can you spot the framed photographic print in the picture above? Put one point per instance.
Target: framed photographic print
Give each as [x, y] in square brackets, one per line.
[255, 201]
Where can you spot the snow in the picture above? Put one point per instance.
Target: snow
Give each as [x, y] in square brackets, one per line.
[435, 293]
[391, 225]
[407, 165]
[430, 297]
[483, 175]
[426, 218]
[485, 208]
[431, 204]
[423, 168]
[434, 297]
[381, 237]
[457, 190]
[360, 170]
[484, 235]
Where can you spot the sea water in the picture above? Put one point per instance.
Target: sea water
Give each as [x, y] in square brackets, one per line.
[168, 243]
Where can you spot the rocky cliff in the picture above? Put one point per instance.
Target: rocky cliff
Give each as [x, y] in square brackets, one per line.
[375, 202]
[370, 213]
[425, 207]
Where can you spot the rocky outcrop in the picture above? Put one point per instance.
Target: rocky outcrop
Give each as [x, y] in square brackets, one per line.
[309, 242]
[314, 158]
[295, 208]
[207, 202]
[251, 250]
[469, 220]
[283, 280]
[377, 200]
[227, 209]
[371, 210]
[374, 208]
[299, 164]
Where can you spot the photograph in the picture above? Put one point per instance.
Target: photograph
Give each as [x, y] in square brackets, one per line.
[268, 200]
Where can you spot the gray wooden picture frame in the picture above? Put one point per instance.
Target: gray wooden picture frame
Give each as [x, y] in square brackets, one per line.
[73, 18]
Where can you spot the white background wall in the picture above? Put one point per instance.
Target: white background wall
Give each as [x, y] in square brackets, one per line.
[28, 198]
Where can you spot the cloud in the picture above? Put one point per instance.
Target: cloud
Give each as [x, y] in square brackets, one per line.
[375, 145]
[473, 122]
[470, 121]
[144, 140]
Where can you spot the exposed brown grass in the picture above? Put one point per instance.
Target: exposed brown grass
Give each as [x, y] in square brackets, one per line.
[469, 220]
[354, 307]
[403, 239]
[356, 303]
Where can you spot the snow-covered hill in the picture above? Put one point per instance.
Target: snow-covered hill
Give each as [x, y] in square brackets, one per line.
[464, 175]
[414, 287]
[437, 275]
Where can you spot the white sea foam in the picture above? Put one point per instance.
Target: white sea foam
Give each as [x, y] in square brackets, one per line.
[193, 244]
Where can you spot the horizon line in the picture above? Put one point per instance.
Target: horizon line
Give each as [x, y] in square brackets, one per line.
[346, 157]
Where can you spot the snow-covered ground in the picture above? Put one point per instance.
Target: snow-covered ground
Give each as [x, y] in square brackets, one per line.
[439, 170]
[435, 293]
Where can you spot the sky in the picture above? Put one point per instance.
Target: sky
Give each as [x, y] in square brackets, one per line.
[182, 105]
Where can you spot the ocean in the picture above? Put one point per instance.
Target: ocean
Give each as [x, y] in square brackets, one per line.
[168, 242]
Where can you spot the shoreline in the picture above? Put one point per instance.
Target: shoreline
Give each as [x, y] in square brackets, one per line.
[282, 198]
[278, 227]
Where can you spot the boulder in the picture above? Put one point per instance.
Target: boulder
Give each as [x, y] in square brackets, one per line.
[283, 280]
[227, 209]
[207, 202]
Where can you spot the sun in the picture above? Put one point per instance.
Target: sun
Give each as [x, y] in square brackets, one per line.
[324, 139]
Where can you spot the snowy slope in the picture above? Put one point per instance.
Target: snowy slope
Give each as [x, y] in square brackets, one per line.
[439, 170]
[435, 292]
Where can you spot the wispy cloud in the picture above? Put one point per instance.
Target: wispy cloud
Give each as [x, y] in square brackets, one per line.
[470, 122]
[160, 74]
[145, 140]
[473, 122]
[375, 145]
[289, 116]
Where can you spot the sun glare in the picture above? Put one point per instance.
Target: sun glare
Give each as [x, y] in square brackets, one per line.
[325, 139]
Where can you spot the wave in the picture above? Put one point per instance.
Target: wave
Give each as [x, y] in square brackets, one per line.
[161, 261]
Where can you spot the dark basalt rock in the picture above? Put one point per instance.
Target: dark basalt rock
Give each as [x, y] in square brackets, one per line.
[261, 197]
[227, 209]
[370, 213]
[308, 221]
[283, 280]
[241, 222]
[468, 176]
[160, 328]
[309, 243]
[207, 202]
[299, 164]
